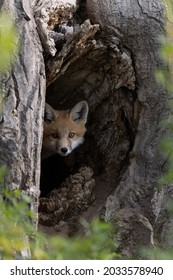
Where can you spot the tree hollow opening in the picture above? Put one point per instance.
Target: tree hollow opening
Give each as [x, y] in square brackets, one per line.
[111, 124]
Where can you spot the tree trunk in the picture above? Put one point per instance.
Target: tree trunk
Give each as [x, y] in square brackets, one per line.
[24, 87]
[105, 52]
[136, 204]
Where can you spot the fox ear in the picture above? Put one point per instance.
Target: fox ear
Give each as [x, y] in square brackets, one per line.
[79, 112]
[49, 114]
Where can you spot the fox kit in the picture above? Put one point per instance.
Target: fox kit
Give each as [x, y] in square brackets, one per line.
[64, 130]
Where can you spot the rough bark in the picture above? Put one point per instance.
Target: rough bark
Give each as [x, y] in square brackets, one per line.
[140, 23]
[106, 53]
[24, 88]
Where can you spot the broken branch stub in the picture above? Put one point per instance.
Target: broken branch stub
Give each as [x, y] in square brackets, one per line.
[79, 44]
[47, 15]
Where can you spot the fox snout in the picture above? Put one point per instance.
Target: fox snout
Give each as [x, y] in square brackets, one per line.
[64, 130]
[64, 151]
[65, 146]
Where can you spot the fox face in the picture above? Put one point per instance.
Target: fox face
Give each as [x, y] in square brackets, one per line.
[64, 130]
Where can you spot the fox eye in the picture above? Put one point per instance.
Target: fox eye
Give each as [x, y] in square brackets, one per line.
[71, 135]
[54, 135]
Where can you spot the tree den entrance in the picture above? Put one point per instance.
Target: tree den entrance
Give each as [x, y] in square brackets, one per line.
[78, 185]
[90, 64]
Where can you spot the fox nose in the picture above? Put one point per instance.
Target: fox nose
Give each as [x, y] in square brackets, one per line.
[64, 150]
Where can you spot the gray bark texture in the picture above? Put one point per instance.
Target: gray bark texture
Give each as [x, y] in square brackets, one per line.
[135, 201]
[24, 89]
[104, 52]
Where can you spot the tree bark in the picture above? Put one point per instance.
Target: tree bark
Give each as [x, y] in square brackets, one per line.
[105, 52]
[132, 205]
[24, 87]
